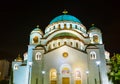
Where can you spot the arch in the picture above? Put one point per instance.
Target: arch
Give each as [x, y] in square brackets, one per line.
[95, 38]
[76, 44]
[35, 39]
[38, 56]
[65, 70]
[77, 76]
[58, 44]
[93, 55]
[53, 76]
[16, 67]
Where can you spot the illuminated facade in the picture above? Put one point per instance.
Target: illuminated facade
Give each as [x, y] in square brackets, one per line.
[67, 53]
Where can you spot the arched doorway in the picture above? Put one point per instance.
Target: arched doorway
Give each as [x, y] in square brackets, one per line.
[65, 72]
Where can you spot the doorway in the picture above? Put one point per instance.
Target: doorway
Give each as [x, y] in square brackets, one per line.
[65, 80]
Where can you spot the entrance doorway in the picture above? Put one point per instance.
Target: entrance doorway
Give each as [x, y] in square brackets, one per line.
[65, 80]
[53, 82]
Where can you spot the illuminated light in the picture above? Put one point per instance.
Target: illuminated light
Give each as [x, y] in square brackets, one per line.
[98, 62]
[30, 63]
[65, 12]
[43, 72]
[87, 72]
[65, 54]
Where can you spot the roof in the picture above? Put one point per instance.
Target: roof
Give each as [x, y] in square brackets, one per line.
[65, 17]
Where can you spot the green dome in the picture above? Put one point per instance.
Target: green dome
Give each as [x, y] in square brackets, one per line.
[65, 18]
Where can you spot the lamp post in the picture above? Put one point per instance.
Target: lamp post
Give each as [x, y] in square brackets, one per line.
[98, 65]
[87, 72]
[43, 72]
[30, 65]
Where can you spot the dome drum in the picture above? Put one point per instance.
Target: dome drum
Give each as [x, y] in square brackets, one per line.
[65, 25]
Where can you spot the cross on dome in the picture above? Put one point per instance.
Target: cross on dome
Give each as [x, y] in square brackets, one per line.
[65, 11]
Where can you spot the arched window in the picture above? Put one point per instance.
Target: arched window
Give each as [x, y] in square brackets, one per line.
[76, 45]
[58, 43]
[49, 47]
[15, 67]
[53, 76]
[77, 77]
[75, 26]
[92, 55]
[53, 27]
[59, 26]
[35, 39]
[65, 26]
[38, 56]
[65, 43]
[70, 26]
[53, 45]
[95, 39]
[65, 71]
[71, 43]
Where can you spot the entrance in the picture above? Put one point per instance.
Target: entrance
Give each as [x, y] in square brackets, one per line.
[78, 82]
[53, 82]
[65, 80]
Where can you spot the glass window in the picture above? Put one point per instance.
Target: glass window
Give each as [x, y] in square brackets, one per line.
[15, 67]
[35, 39]
[92, 55]
[95, 38]
[38, 56]
[53, 74]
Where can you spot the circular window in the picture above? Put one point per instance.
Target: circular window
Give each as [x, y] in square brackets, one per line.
[65, 54]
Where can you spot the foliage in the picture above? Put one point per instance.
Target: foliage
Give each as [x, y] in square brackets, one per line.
[114, 74]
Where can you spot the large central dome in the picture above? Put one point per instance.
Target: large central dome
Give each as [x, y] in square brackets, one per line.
[65, 17]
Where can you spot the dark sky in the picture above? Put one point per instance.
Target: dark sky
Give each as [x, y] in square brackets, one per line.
[18, 19]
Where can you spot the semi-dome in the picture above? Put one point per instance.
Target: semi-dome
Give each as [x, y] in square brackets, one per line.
[65, 17]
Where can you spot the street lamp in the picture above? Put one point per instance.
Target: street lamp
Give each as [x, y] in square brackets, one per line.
[98, 65]
[43, 72]
[87, 72]
[30, 65]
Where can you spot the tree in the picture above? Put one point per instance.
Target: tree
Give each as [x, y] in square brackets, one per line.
[114, 74]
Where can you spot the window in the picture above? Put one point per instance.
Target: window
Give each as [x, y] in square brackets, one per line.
[15, 67]
[70, 26]
[95, 39]
[75, 26]
[65, 43]
[71, 43]
[76, 45]
[77, 74]
[49, 47]
[58, 43]
[65, 26]
[38, 56]
[53, 76]
[35, 39]
[77, 77]
[65, 71]
[92, 55]
[59, 26]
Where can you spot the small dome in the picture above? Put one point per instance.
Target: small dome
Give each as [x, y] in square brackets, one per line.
[65, 17]
[37, 29]
[93, 28]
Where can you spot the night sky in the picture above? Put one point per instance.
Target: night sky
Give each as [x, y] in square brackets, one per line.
[18, 19]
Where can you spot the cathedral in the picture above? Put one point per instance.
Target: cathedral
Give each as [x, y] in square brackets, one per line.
[65, 53]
